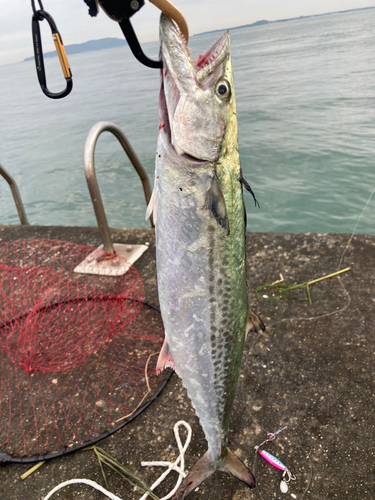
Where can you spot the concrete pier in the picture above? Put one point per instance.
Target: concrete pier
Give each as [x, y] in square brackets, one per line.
[312, 371]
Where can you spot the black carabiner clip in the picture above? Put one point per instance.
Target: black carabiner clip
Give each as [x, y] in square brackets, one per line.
[39, 15]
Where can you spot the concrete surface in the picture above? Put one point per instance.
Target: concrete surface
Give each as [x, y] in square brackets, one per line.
[312, 370]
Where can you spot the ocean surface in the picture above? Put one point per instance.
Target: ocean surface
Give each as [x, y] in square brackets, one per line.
[306, 107]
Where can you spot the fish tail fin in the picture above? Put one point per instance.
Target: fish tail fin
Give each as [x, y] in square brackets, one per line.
[201, 471]
[233, 465]
[206, 466]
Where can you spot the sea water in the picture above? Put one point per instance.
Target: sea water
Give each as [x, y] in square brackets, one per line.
[305, 94]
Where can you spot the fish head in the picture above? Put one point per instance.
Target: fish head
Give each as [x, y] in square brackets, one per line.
[197, 102]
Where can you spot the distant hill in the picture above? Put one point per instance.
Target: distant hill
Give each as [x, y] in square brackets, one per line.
[260, 23]
[77, 48]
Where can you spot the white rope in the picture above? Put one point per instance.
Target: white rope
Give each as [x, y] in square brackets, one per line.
[83, 481]
[171, 466]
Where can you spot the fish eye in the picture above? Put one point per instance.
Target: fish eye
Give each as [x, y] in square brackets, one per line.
[223, 90]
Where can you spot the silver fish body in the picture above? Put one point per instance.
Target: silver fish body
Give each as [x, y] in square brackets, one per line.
[198, 210]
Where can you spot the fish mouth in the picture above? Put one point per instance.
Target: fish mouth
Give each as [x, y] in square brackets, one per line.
[189, 110]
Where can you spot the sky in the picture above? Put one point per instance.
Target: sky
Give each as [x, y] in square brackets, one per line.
[76, 26]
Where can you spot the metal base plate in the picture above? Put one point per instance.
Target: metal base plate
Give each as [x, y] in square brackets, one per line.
[101, 262]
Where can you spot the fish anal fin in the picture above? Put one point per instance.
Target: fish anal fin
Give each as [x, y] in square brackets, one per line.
[206, 466]
[215, 202]
[254, 322]
[165, 359]
[233, 465]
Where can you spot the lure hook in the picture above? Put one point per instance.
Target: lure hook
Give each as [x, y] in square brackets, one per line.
[40, 15]
[290, 477]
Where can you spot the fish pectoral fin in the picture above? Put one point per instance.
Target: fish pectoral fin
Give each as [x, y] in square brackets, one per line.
[152, 207]
[165, 359]
[233, 465]
[215, 202]
[206, 466]
[254, 322]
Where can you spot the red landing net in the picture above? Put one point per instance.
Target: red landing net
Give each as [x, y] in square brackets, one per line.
[73, 349]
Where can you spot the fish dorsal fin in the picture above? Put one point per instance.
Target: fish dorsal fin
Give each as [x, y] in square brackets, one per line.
[215, 202]
[165, 359]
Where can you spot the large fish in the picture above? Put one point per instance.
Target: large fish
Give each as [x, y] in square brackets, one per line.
[199, 217]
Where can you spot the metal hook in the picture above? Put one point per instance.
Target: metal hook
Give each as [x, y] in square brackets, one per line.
[121, 12]
[131, 38]
[288, 476]
[39, 15]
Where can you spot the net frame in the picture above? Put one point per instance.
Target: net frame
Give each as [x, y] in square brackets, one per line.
[8, 458]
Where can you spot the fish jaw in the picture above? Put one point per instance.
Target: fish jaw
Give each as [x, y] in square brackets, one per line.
[195, 108]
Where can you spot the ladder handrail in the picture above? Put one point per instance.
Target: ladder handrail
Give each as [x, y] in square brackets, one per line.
[89, 168]
[16, 195]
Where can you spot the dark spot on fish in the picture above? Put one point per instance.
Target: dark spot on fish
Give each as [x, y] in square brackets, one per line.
[212, 299]
[211, 289]
[180, 189]
[219, 281]
[225, 301]
[213, 328]
[211, 229]
[220, 292]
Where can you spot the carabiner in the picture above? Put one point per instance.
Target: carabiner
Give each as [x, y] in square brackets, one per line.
[39, 15]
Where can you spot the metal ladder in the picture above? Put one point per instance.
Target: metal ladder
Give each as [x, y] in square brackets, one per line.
[89, 169]
[16, 195]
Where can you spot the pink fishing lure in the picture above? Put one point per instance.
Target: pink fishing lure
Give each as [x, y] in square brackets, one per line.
[272, 460]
